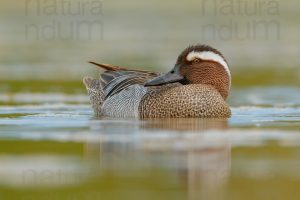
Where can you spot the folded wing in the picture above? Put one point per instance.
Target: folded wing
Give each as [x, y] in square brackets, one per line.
[116, 78]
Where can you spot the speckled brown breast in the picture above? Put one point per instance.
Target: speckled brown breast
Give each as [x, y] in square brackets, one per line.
[193, 100]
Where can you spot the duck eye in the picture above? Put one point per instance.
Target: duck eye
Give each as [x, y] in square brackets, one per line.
[196, 60]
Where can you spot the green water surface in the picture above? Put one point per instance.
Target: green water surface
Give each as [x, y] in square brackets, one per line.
[51, 147]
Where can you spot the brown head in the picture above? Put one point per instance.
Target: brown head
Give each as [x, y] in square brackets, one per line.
[199, 64]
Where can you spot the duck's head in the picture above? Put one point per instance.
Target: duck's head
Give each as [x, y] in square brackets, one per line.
[199, 64]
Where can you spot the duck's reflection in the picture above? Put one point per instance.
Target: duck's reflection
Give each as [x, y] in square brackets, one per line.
[208, 172]
[201, 163]
[188, 124]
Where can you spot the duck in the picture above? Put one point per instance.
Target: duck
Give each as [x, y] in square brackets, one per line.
[196, 87]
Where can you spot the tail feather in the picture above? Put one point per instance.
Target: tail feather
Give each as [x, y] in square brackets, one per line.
[108, 66]
[95, 92]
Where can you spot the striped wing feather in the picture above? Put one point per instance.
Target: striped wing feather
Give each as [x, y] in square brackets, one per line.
[116, 79]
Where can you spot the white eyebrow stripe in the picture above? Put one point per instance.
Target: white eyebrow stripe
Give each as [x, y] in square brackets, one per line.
[208, 55]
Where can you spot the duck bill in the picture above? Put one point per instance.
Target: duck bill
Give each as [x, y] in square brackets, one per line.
[170, 77]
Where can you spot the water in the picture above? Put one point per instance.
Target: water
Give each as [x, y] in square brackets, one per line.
[52, 148]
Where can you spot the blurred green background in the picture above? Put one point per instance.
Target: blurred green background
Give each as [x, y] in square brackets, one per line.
[51, 40]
